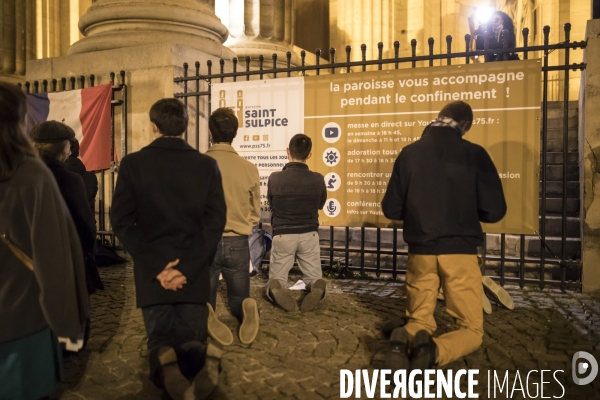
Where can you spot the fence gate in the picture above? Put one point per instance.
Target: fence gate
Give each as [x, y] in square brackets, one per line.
[551, 257]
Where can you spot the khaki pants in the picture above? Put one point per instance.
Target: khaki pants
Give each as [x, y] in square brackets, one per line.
[460, 278]
[303, 247]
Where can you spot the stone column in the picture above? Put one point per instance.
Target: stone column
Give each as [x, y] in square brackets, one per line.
[259, 27]
[17, 43]
[113, 24]
[589, 153]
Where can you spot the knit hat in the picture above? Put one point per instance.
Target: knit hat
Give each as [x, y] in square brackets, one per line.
[51, 132]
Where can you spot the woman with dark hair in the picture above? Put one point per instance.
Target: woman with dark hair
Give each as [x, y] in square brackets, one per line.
[500, 28]
[52, 139]
[42, 278]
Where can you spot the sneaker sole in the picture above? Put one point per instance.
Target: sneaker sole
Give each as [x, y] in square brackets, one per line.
[497, 292]
[487, 306]
[206, 380]
[397, 358]
[283, 299]
[218, 330]
[424, 360]
[250, 323]
[311, 300]
[175, 383]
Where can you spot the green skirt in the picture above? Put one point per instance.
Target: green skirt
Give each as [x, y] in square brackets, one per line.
[30, 367]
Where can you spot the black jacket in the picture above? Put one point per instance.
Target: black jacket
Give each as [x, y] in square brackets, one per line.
[168, 204]
[442, 186]
[89, 179]
[296, 195]
[73, 191]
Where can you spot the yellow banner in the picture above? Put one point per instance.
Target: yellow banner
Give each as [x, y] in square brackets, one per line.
[360, 121]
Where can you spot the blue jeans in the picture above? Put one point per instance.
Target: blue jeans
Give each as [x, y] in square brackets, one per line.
[232, 260]
[182, 326]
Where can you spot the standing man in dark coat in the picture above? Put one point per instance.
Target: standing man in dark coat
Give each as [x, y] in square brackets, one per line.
[169, 211]
[442, 187]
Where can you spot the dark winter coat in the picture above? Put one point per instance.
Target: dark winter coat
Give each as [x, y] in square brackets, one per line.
[73, 191]
[35, 217]
[89, 179]
[442, 186]
[296, 195]
[169, 204]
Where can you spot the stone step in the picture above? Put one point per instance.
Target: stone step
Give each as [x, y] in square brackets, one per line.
[557, 158]
[558, 113]
[557, 134]
[554, 205]
[554, 189]
[554, 226]
[557, 145]
[555, 172]
[553, 105]
[559, 123]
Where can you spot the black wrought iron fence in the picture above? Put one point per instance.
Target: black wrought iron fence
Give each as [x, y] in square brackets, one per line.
[106, 178]
[552, 257]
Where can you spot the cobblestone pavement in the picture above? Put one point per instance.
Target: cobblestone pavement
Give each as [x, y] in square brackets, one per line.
[299, 356]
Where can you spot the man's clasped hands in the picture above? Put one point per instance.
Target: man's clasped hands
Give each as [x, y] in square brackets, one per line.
[171, 278]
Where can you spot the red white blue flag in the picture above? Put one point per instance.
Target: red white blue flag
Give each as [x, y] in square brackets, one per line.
[87, 112]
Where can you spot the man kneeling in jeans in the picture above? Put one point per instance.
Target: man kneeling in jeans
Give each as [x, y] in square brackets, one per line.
[296, 195]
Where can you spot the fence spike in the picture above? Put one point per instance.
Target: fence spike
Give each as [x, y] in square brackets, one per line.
[348, 51]
[525, 32]
[467, 47]
[363, 51]
[248, 61]
[332, 59]
[318, 60]
[449, 48]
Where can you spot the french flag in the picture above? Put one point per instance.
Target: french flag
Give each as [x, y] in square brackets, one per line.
[87, 112]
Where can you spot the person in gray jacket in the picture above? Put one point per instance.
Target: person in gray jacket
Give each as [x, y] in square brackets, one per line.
[296, 195]
[51, 300]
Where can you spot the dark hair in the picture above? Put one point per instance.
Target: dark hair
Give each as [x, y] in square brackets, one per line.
[223, 125]
[15, 146]
[50, 151]
[507, 22]
[458, 111]
[300, 146]
[169, 116]
[74, 147]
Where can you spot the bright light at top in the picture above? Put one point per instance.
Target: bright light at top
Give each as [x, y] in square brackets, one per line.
[483, 13]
